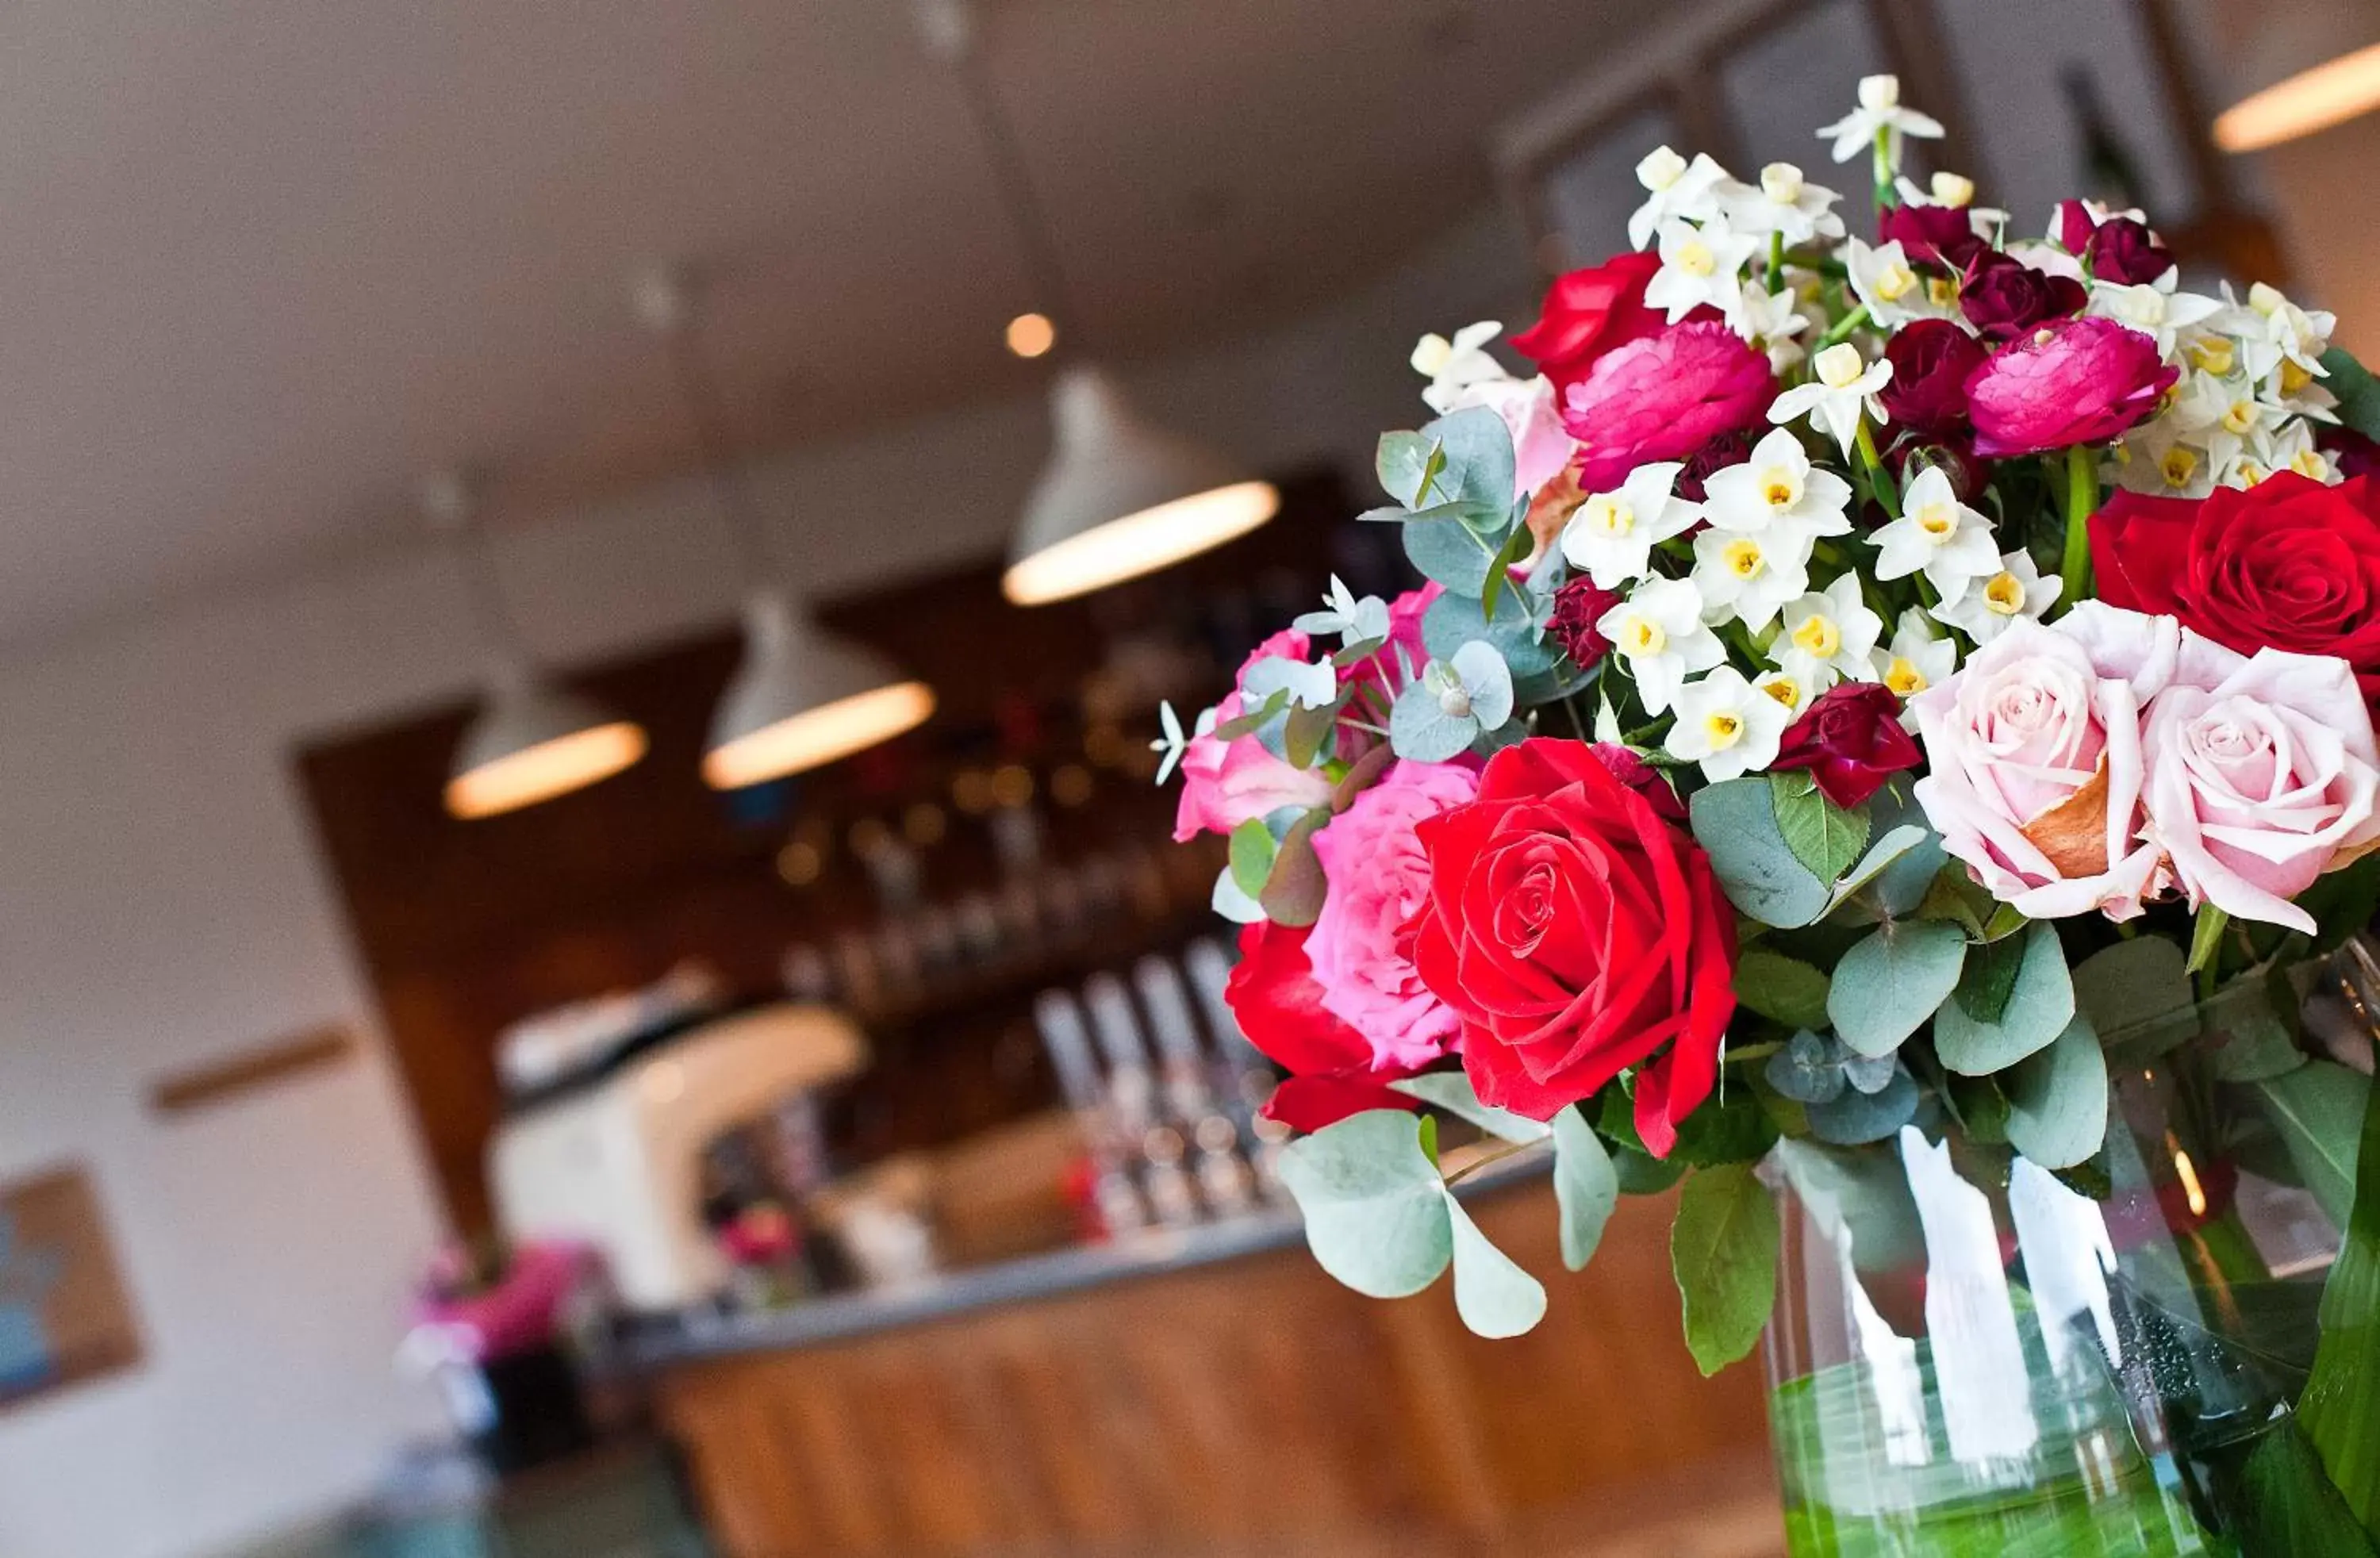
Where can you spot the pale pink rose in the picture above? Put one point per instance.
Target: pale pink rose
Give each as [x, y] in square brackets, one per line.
[1225, 783]
[1542, 448]
[1378, 875]
[2260, 780]
[2034, 752]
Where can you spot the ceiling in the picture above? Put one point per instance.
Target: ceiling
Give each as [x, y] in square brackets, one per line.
[266, 262]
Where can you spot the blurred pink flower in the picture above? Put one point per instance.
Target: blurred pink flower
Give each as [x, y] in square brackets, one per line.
[1225, 783]
[1542, 446]
[2075, 381]
[1664, 397]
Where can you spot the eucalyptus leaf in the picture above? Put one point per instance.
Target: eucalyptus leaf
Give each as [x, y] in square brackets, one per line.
[1723, 1253]
[1901, 886]
[1887, 986]
[1781, 988]
[1452, 554]
[2137, 990]
[1736, 824]
[1807, 1070]
[1453, 621]
[2058, 1100]
[2318, 1109]
[1878, 865]
[1822, 836]
[1853, 1118]
[1493, 1295]
[1508, 557]
[2039, 1004]
[1451, 1091]
[1293, 887]
[1860, 1199]
[2340, 1408]
[1586, 1187]
[1478, 448]
[1232, 903]
[1421, 729]
[1307, 734]
[2255, 1046]
[1404, 462]
[1376, 1211]
[1252, 851]
[2359, 396]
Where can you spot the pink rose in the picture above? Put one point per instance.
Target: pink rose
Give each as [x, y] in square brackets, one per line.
[1542, 448]
[2261, 781]
[1225, 783]
[2034, 748]
[1378, 876]
[2074, 381]
[1663, 398]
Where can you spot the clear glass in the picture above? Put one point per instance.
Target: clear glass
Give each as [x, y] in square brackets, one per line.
[1971, 1356]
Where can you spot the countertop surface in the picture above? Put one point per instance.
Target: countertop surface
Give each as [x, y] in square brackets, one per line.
[1145, 1253]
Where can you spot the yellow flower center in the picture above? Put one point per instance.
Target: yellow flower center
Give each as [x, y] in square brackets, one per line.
[2294, 378]
[2181, 463]
[1607, 516]
[1941, 291]
[1780, 487]
[1640, 635]
[1904, 679]
[1695, 259]
[1723, 730]
[1785, 689]
[2241, 417]
[2004, 595]
[2214, 355]
[2250, 473]
[2310, 463]
[1937, 520]
[1893, 281]
[1781, 182]
[1743, 558]
[1818, 636]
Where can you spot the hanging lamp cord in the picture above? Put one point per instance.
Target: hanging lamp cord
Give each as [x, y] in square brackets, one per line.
[1003, 154]
[706, 411]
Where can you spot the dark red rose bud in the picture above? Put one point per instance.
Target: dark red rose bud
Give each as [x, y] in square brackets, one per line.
[1931, 359]
[2075, 227]
[2005, 297]
[1578, 606]
[1939, 235]
[2127, 253]
[2354, 454]
[1851, 741]
[1727, 449]
[1955, 455]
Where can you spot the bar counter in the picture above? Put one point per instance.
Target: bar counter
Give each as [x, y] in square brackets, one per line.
[1211, 1391]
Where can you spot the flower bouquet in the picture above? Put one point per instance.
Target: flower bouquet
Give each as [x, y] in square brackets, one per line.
[1885, 738]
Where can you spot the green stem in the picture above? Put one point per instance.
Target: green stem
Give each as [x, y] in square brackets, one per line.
[1777, 260]
[2081, 498]
[1842, 328]
[1879, 479]
[1885, 193]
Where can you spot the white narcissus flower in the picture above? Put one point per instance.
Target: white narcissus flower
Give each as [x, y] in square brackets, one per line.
[1843, 392]
[1727, 725]
[2297, 336]
[2018, 592]
[1611, 537]
[2155, 308]
[1951, 543]
[1784, 204]
[1880, 112]
[1895, 294]
[1776, 484]
[1674, 188]
[1786, 688]
[1660, 637]
[1453, 366]
[1750, 574]
[1914, 661]
[1958, 192]
[1701, 266]
[1826, 636]
[1770, 321]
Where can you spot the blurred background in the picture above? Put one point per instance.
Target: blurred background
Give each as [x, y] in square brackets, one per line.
[577, 975]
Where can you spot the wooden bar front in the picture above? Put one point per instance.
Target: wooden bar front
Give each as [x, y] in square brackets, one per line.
[1250, 1405]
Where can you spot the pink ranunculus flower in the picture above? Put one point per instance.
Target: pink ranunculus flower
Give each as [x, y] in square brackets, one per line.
[1663, 398]
[1378, 874]
[2261, 780]
[1225, 783]
[2036, 767]
[2073, 381]
[1542, 446]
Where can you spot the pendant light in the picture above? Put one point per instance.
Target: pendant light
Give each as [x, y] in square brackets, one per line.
[530, 741]
[1118, 497]
[801, 696]
[2309, 64]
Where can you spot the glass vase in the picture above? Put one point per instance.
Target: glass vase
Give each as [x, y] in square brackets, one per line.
[1970, 1355]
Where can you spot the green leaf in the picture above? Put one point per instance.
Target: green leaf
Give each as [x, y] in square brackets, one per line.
[1493, 1295]
[1586, 1187]
[1250, 721]
[1508, 557]
[1293, 887]
[2286, 1503]
[1901, 885]
[2137, 993]
[2319, 1109]
[1452, 554]
[1859, 1197]
[1451, 1091]
[1990, 980]
[1376, 1211]
[2343, 902]
[1421, 729]
[1735, 1129]
[1881, 864]
[1641, 1174]
[1736, 824]
[1852, 1118]
[2256, 1045]
[1478, 448]
[2340, 1408]
[2206, 930]
[2039, 1004]
[1723, 1252]
[2058, 1100]
[2359, 396]
[1823, 836]
[1453, 621]
[1784, 988]
[1887, 986]
[1253, 849]
[1406, 462]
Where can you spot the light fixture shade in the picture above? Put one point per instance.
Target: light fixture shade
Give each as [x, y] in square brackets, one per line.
[531, 742]
[1120, 498]
[2303, 65]
[802, 698]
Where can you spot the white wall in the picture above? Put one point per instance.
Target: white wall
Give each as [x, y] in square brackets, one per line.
[162, 905]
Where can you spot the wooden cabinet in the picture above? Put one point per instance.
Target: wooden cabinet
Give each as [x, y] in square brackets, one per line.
[1252, 1406]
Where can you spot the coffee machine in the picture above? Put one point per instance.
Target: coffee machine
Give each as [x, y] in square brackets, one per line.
[611, 1155]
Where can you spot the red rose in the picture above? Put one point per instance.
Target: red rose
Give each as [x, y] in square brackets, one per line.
[1927, 392]
[2004, 297]
[2289, 564]
[1272, 993]
[1851, 741]
[1588, 312]
[1577, 933]
[1578, 606]
[1943, 234]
